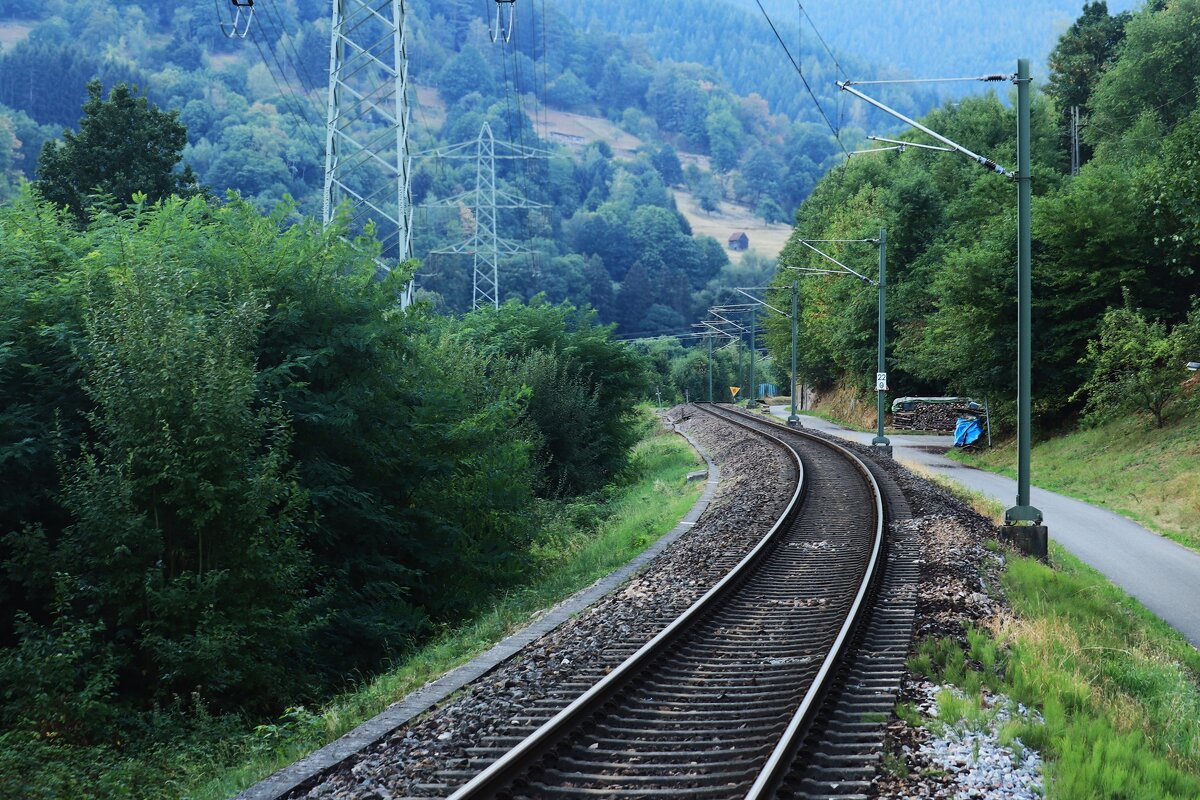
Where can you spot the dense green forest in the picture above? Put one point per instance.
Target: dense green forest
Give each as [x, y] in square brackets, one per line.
[234, 475]
[254, 115]
[866, 40]
[1122, 235]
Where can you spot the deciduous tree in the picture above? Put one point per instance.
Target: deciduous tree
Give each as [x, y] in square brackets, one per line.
[125, 146]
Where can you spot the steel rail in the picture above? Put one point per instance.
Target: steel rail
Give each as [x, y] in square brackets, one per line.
[504, 769]
[499, 775]
[780, 760]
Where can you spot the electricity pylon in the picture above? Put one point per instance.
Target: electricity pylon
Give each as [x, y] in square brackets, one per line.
[367, 161]
[484, 243]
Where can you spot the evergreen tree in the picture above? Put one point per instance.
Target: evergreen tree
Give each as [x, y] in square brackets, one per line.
[634, 299]
[600, 287]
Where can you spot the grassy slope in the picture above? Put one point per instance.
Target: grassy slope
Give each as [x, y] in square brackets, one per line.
[217, 757]
[765, 239]
[1128, 466]
[1118, 687]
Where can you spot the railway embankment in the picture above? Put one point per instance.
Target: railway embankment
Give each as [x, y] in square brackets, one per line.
[1026, 674]
[411, 760]
[1023, 679]
[1030, 678]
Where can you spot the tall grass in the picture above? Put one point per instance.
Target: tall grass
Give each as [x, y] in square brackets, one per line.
[1118, 688]
[1126, 465]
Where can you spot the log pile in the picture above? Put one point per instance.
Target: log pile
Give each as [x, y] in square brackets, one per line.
[930, 417]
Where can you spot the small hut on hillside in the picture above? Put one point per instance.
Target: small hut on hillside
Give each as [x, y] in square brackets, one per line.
[738, 240]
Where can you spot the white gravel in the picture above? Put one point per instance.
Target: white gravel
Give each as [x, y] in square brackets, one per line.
[978, 765]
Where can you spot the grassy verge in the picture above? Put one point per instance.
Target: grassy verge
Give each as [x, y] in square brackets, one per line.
[1128, 466]
[216, 758]
[1118, 688]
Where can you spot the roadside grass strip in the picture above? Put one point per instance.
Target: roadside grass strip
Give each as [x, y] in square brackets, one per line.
[1126, 465]
[1116, 691]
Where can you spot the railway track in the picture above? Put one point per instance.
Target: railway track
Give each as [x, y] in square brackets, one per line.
[719, 702]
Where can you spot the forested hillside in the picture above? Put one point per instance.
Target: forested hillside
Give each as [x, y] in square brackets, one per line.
[868, 40]
[1116, 247]
[254, 113]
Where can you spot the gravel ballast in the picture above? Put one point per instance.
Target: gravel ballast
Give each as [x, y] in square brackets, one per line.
[959, 587]
[521, 693]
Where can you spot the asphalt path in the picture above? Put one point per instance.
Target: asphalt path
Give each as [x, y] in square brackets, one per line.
[1163, 575]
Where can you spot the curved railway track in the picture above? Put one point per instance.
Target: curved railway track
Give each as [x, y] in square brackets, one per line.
[717, 704]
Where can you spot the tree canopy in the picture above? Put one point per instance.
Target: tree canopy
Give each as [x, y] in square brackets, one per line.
[125, 146]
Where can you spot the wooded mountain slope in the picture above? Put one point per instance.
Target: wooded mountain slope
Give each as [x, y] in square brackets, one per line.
[1122, 234]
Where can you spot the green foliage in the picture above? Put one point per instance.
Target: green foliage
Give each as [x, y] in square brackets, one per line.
[581, 387]
[1171, 185]
[1153, 80]
[231, 469]
[1087, 48]
[467, 72]
[1115, 685]
[1126, 223]
[1135, 366]
[125, 147]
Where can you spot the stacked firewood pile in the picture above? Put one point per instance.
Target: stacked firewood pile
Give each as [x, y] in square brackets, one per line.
[931, 416]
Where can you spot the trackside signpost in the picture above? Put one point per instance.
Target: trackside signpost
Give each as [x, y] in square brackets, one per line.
[1023, 522]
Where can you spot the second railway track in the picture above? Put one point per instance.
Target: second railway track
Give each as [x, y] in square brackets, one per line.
[717, 703]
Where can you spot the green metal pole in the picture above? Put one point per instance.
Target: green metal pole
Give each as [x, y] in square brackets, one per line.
[794, 418]
[741, 376]
[1023, 511]
[881, 373]
[753, 386]
[710, 375]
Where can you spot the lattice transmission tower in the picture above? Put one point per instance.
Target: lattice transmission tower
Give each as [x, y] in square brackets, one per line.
[367, 160]
[483, 242]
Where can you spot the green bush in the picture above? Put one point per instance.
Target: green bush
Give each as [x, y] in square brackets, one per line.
[231, 471]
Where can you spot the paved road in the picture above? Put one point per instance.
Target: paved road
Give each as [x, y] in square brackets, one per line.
[1163, 575]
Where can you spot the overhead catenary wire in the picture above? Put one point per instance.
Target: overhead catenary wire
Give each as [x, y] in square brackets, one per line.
[836, 133]
[985, 78]
[821, 39]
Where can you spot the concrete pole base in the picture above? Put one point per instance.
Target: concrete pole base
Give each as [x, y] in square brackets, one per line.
[1030, 540]
[794, 422]
[884, 450]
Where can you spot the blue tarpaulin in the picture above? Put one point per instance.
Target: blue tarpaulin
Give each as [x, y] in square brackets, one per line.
[966, 431]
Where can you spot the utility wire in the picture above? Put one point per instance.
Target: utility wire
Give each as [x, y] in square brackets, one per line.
[289, 95]
[306, 127]
[834, 131]
[298, 65]
[545, 71]
[821, 39]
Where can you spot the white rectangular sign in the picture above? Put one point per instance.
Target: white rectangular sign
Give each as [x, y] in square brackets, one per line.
[881, 382]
